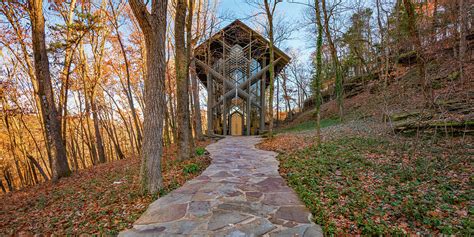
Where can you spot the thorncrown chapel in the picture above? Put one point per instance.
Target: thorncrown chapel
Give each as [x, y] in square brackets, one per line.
[233, 66]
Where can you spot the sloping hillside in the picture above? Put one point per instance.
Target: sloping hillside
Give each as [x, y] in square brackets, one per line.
[401, 102]
[102, 200]
[394, 164]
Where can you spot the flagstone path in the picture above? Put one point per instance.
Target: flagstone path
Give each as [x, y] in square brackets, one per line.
[240, 194]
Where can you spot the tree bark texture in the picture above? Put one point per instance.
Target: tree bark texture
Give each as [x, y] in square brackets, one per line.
[48, 109]
[153, 26]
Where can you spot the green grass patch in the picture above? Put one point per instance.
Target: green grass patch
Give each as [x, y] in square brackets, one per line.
[309, 125]
[366, 186]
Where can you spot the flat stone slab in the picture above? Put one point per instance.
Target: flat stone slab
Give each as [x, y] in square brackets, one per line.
[241, 193]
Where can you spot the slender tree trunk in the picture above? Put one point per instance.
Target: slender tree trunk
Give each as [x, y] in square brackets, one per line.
[110, 129]
[182, 86]
[66, 72]
[98, 135]
[45, 92]
[286, 97]
[128, 90]
[13, 143]
[8, 178]
[29, 67]
[196, 103]
[3, 187]
[339, 87]
[319, 68]
[269, 14]
[38, 167]
[278, 102]
[197, 118]
[172, 111]
[462, 38]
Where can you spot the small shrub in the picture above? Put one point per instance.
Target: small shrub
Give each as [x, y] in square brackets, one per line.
[200, 151]
[191, 168]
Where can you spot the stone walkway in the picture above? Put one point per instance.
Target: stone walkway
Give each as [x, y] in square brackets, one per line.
[240, 194]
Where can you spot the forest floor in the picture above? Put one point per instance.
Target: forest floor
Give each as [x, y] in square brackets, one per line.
[364, 178]
[104, 199]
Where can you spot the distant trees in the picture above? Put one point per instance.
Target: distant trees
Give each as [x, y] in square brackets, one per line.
[100, 82]
[339, 83]
[127, 87]
[464, 7]
[413, 31]
[270, 7]
[267, 8]
[358, 44]
[106, 80]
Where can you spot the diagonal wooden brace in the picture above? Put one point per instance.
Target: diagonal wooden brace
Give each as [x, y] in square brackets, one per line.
[231, 93]
[226, 83]
[257, 77]
[252, 80]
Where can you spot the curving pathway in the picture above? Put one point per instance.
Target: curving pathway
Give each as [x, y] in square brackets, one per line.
[240, 194]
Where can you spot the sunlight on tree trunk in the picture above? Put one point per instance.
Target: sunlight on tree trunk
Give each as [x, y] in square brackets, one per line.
[153, 26]
[45, 91]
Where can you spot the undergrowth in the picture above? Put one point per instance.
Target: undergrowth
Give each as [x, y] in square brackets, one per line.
[102, 200]
[309, 125]
[370, 186]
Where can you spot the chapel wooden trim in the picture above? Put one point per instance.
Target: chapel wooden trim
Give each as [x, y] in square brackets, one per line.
[232, 65]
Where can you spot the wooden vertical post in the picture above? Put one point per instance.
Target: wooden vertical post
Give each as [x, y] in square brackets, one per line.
[262, 98]
[210, 104]
[249, 103]
[248, 116]
[224, 116]
[224, 87]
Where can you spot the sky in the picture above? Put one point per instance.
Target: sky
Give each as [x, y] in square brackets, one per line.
[290, 11]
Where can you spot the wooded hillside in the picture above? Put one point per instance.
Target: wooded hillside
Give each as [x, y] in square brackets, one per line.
[84, 83]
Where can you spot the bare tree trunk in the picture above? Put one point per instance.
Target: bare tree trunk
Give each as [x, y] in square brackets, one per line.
[462, 38]
[45, 92]
[173, 116]
[278, 102]
[197, 120]
[9, 179]
[339, 87]
[153, 26]
[15, 22]
[286, 96]
[38, 167]
[12, 141]
[128, 90]
[110, 129]
[3, 187]
[197, 104]
[98, 135]
[269, 10]
[182, 86]
[66, 72]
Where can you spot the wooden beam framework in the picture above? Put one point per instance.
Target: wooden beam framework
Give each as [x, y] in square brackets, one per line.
[233, 67]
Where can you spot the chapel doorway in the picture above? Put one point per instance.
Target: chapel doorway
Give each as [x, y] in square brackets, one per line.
[236, 123]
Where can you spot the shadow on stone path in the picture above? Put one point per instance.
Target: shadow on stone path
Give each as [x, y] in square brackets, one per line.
[240, 194]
